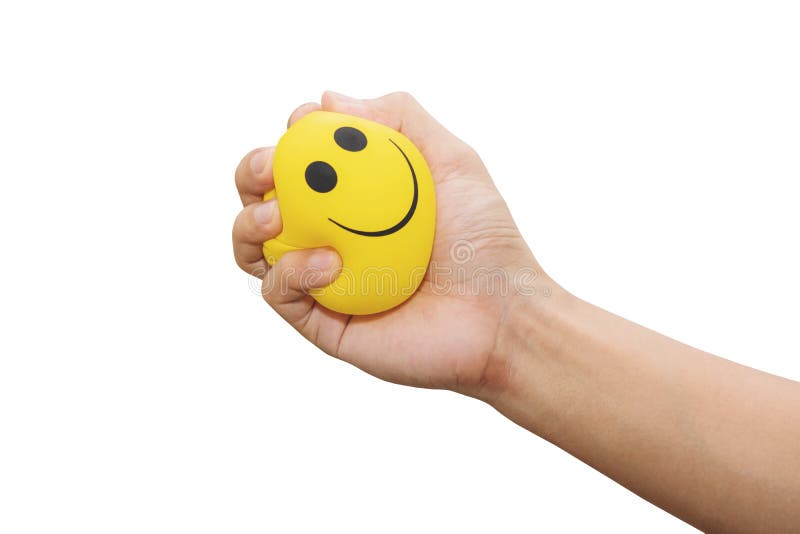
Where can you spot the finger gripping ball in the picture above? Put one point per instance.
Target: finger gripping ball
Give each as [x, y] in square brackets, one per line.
[365, 190]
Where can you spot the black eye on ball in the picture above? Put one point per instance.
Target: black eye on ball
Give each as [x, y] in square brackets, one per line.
[320, 176]
[350, 138]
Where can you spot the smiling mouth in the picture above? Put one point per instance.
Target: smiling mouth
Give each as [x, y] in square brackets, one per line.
[403, 221]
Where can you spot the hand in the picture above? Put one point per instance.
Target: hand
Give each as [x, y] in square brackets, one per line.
[445, 335]
[708, 440]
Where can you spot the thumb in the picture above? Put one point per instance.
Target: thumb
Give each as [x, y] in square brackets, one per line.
[443, 151]
[286, 285]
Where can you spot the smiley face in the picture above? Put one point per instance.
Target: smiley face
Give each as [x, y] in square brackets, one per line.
[365, 190]
[321, 177]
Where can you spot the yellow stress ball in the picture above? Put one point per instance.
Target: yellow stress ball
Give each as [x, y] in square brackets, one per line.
[365, 190]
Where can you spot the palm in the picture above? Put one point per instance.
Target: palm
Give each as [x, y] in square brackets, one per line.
[444, 334]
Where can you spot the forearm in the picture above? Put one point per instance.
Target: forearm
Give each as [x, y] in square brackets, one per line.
[708, 440]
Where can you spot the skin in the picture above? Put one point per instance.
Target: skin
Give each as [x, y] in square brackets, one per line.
[712, 442]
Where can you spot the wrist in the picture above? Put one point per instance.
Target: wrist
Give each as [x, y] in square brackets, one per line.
[531, 334]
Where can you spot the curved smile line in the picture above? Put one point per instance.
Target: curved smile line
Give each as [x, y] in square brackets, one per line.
[404, 220]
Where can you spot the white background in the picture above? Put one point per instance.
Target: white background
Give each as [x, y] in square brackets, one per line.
[649, 152]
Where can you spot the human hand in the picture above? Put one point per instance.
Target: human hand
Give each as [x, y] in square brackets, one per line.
[445, 335]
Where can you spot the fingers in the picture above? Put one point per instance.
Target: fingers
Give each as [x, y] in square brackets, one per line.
[254, 175]
[256, 223]
[259, 221]
[442, 150]
[302, 111]
[288, 282]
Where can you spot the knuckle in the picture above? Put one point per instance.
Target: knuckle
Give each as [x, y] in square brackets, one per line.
[401, 99]
[257, 271]
[467, 154]
[470, 153]
[239, 226]
[268, 286]
[241, 264]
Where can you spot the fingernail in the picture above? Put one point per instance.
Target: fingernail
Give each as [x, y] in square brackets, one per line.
[264, 213]
[321, 259]
[258, 161]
